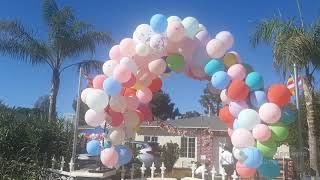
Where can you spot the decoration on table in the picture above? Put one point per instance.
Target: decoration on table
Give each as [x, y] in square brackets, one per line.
[119, 98]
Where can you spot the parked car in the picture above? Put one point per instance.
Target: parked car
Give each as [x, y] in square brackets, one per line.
[145, 152]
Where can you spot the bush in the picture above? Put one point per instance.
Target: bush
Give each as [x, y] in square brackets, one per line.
[169, 155]
[28, 140]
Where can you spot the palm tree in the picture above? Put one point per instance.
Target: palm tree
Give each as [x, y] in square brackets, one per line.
[294, 44]
[67, 38]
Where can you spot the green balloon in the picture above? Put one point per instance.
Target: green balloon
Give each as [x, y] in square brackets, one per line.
[267, 148]
[175, 62]
[248, 68]
[280, 131]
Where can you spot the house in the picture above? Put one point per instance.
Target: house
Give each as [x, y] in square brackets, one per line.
[199, 138]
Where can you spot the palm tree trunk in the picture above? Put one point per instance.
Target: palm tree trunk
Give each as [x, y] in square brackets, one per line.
[55, 82]
[311, 117]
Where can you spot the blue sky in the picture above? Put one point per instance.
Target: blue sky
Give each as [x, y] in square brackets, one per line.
[22, 84]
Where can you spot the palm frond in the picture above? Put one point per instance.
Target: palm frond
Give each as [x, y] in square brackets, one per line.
[88, 67]
[19, 43]
[49, 9]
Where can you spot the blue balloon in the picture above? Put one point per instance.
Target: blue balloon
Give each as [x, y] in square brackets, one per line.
[254, 81]
[93, 147]
[125, 154]
[236, 124]
[107, 144]
[111, 86]
[159, 23]
[220, 80]
[254, 157]
[213, 66]
[288, 116]
[257, 98]
[269, 168]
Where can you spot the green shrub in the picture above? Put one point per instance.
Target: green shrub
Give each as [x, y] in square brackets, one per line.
[169, 155]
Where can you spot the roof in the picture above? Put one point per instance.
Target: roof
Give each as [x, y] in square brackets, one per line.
[212, 122]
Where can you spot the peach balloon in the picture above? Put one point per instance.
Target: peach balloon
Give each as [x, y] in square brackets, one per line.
[132, 102]
[270, 113]
[175, 31]
[158, 66]
[242, 138]
[118, 103]
[216, 48]
[128, 47]
[237, 72]
[172, 47]
[188, 47]
[144, 95]
[109, 157]
[98, 81]
[245, 171]
[122, 74]
[115, 53]
[261, 132]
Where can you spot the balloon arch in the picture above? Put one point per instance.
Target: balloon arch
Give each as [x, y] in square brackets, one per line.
[256, 117]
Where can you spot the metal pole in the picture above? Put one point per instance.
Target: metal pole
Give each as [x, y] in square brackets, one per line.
[301, 154]
[76, 121]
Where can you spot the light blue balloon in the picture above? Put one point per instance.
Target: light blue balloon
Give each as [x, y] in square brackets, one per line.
[269, 168]
[220, 80]
[93, 147]
[111, 86]
[125, 154]
[254, 81]
[257, 98]
[236, 124]
[213, 66]
[191, 26]
[107, 144]
[158, 23]
[254, 157]
[288, 116]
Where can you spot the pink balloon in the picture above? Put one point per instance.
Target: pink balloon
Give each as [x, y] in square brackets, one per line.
[172, 47]
[121, 73]
[141, 61]
[94, 118]
[245, 171]
[198, 71]
[97, 81]
[261, 132]
[145, 77]
[242, 138]
[236, 107]
[157, 66]
[115, 53]
[175, 31]
[216, 48]
[270, 113]
[224, 98]
[131, 82]
[237, 71]
[226, 37]
[132, 102]
[203, 37]
[188, 47]
[230, 132]
[146, 111]
[128, 47]
[109, 157]
[144, 95]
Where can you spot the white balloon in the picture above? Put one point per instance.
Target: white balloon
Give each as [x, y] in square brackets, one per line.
[84, 94]
[142, 49]
[97, 100]
[142, 33]
[94, 118]
[109, 66]
[248, 119]
[118, 103]
[158, 43]
[226, 37]
[117, 136]
[224, 98]
[130, 64]
[202, 27]
[173, 18]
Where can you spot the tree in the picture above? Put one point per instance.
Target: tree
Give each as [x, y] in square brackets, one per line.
[169, 155]
[294, 44]
[190, 114]
[67, 38]
[211, 102]
[162, 107]
[43, 103]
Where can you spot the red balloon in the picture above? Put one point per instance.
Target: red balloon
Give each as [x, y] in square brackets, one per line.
[279, 94]
[245, 171]
[116, 118]
[146, 111]
[238, 90]
[155, 85]
[225, 116]
[141, 116]
[97, 81]
[131, 81]
[129, 92]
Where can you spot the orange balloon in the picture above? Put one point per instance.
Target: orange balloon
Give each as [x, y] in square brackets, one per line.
[238, 90]
[225, 115]
[129, 92]
[155, 85]
[279, 94]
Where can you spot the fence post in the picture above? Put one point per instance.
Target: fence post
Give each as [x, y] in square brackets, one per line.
[152, 168]
[223, 174]
[143, 169]
[193, 168]
[53, 162]
[132, 171]
[62, 163]
[203, 173]
[122, 172]
[234, 175]
[162, 170]
[213, 173]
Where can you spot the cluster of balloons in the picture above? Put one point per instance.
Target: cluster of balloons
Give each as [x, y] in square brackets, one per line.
[120, 97]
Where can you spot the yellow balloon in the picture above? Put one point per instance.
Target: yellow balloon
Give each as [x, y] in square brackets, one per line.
[231, 58]
[137, 86]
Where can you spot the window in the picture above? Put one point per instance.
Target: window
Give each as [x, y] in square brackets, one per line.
[150, 139]
[188, 147]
